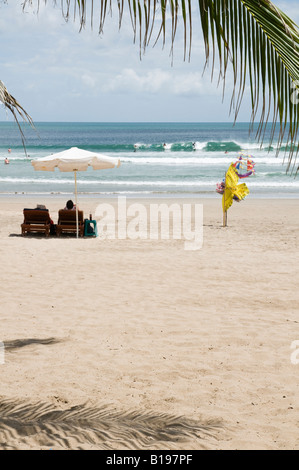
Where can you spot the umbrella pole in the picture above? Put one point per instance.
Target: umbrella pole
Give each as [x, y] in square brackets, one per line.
[224, 209]
[76, 202]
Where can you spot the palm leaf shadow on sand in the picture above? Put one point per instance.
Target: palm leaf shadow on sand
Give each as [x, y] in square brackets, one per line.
[21, 343]
[104, 427]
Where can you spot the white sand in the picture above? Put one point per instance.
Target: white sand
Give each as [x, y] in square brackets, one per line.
[146, 327]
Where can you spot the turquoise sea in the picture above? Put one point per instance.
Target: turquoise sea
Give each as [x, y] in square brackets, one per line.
[194, 159]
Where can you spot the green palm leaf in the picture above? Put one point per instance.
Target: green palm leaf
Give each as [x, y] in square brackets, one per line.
[253, 39]
[15, 108]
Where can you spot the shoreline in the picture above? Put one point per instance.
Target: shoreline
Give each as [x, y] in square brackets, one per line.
[150, 195]
[86, 200]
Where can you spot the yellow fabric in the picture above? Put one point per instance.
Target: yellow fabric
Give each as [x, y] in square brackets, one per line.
[227, 199]
[231, 178]
[232, 188]
[241, 191]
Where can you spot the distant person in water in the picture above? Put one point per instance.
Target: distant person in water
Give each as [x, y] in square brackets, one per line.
[70, 206]
[6, 161]
[9, 150]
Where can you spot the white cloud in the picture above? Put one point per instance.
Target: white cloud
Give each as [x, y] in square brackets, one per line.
[89, 80]
[160, 81]
[129, 80]
[290, 8]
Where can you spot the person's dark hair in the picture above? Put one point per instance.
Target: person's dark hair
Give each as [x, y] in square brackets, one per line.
[69, 204]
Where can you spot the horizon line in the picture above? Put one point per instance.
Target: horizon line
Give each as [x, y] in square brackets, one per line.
[139, 122]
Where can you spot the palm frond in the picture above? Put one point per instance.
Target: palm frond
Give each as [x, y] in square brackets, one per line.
[103, 427]
[251, 38]
[16, 109]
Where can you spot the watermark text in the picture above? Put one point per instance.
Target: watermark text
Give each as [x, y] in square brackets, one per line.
[155, 221]
[295, 353]
[295, 94]
[2, 353]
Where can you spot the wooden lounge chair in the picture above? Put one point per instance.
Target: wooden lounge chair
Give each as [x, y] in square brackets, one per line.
[36, 220]
[67, 222]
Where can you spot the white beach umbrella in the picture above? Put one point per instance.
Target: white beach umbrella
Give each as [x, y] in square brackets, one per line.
[75, 159]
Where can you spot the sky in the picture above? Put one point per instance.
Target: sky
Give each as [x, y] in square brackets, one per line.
[59, 74]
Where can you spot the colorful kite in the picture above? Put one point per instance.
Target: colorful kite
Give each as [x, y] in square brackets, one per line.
[244, 166]
[229, 187]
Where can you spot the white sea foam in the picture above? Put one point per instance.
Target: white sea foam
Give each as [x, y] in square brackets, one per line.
[167, 146]
[289, 183]
[199, 145]
[38, 180]
[200, 160]
[251, 182]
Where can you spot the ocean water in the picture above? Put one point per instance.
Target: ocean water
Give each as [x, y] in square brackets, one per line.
[148, 167]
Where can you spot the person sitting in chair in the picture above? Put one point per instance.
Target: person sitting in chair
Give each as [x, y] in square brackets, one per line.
[70, 206]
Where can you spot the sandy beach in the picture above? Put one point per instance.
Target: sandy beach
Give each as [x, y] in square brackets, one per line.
[141, 344]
